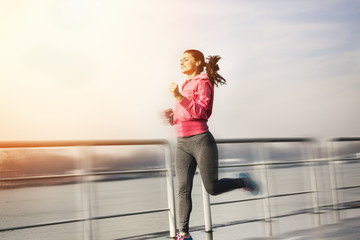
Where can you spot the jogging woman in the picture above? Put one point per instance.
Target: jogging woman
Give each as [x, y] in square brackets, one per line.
[195, 144]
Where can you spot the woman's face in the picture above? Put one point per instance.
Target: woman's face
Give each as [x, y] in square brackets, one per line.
[188, 64]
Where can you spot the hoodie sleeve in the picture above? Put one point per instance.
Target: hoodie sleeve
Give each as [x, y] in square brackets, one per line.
[199, 107]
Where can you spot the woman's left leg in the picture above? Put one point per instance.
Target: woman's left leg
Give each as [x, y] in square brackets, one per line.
[206, 155]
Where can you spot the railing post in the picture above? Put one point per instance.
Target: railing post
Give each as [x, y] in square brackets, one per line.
[333, 181]
[207, 213]
[170, 191]
[313, 181]
[262, 156]
[86, 164]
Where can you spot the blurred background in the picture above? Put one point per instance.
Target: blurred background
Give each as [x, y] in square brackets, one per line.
[77, 69]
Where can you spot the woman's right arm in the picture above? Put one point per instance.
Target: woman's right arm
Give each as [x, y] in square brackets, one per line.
[169, 115]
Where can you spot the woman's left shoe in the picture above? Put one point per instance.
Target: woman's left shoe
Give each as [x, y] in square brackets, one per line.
[179, 237]
[251, 185]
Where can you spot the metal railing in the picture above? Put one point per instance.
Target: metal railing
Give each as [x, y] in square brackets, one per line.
[86, 177]
[259, 147]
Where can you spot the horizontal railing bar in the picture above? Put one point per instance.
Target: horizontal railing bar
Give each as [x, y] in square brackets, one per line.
[241, 165]
[43, 225]
[41, 177]
[260, 198]
[82, 175]
[348, 205]
[145, 236]
[346, 160]
[237, 201]
[83, 219]
[327, 206]
[292, 162]
[309, 210]
[270, 163]
[340, 206]
[349, 187]
[232, 223]
[73, 143]
[290, 194]
[346, 139]
[263, 140]
[131, 214]
[330, 207]
[130, 172]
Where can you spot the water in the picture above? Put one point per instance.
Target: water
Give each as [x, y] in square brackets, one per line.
[32, 205]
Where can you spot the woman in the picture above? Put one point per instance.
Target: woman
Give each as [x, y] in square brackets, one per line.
[196, 146]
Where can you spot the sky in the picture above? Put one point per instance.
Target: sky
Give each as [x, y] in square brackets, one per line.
[86, 69]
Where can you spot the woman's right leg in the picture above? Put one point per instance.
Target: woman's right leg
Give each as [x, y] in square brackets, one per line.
[185, 166]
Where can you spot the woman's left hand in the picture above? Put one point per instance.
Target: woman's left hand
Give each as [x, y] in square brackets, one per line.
[174, 89]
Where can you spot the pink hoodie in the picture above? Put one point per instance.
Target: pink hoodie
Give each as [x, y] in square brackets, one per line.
[192, 113]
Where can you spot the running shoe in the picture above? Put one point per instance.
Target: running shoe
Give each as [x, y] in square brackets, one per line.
[179, 237]
[251, 185]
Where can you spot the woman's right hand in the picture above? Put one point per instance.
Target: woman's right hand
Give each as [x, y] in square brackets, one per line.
[174, 89]
[169, 115]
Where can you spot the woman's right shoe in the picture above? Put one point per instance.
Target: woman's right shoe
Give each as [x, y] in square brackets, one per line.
[179, 237]
[250, 185]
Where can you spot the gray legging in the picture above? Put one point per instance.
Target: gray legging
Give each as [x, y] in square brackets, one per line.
[198, 150]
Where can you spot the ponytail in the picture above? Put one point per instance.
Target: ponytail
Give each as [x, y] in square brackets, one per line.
[211, 66]
[212, 69]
